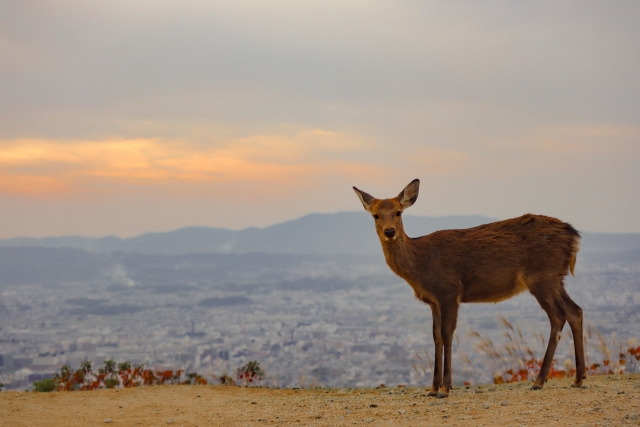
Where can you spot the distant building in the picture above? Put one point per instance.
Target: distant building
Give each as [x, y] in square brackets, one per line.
[364, 348]
[22, 362]
[6, 361]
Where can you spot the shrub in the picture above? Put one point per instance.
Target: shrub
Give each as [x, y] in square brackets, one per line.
[114, 375]
[226, 380]
[249, 373]
[110, 383]
[44, 386]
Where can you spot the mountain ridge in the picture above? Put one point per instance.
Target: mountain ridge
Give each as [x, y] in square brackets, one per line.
[349, 233]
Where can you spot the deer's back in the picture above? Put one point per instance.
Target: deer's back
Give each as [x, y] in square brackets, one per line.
[492, 260]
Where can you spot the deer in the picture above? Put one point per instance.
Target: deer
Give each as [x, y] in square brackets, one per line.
[484, 264]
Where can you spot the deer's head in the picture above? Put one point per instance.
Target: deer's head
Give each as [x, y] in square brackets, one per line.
[387, 213]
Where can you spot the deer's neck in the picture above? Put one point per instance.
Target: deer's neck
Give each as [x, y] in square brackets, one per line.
[400, 255]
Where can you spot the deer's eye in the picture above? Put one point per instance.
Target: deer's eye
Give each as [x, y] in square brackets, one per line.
[375, 217]
[398, 213]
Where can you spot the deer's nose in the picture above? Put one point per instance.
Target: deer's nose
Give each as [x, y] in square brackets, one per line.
[390, 232]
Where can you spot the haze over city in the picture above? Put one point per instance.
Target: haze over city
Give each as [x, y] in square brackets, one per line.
[120, 118]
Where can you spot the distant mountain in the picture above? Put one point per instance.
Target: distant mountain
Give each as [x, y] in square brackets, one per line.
[348, 233]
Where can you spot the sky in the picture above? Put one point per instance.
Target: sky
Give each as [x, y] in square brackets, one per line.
[121, 117]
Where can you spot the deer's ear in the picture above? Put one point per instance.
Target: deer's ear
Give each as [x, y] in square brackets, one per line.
[409, 195]
[365, 198]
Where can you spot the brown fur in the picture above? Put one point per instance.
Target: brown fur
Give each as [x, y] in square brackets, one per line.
[488, 263]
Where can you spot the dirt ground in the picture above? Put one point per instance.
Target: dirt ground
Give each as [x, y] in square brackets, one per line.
[605, 400]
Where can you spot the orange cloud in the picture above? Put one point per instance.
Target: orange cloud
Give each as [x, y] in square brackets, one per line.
[53, 168]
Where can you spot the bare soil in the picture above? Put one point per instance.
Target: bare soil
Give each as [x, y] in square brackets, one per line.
[605, 400]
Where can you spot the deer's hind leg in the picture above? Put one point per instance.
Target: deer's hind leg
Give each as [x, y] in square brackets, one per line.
[549, 296]
[574, 317]
[437, 340]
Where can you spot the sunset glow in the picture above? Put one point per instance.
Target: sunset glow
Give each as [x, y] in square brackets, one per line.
[40, 168]
[134, 117]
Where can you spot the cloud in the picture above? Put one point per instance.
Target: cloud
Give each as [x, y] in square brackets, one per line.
[174, 112]
[54, 168]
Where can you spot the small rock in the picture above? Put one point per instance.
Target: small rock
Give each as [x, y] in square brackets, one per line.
[485, 406]
[445, 416]
[170, 421]
[369, 420]
[254, 403]
[197, 395]
[584, 386]
[317, 417]
[504, 403]
[621, 392]
[373, 405]
[479, 391]
[491, 389]
[633, 417]
[108, 420]
[401, 411]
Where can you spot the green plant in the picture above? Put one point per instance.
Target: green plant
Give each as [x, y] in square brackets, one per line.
[110, 383]
[194, 378]
[226, 380]
[45, 385]
[249, 373]
[119, 375]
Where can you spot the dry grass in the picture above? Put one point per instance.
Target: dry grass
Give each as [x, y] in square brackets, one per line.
[520, 356]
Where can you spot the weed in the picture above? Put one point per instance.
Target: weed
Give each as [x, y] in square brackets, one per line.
[121, 375]
[45, 385]
[517, 360]
[250, 373]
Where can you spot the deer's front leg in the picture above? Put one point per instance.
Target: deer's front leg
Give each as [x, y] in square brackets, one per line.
[449, 320]
[437, 340]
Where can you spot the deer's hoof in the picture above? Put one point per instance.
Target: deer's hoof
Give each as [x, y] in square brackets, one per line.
[432, 393]
[577, 384]
[536, 387]
[442, 395]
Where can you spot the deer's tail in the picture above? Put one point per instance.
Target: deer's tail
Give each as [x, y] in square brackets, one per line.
[575, 247]
[574, 255]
